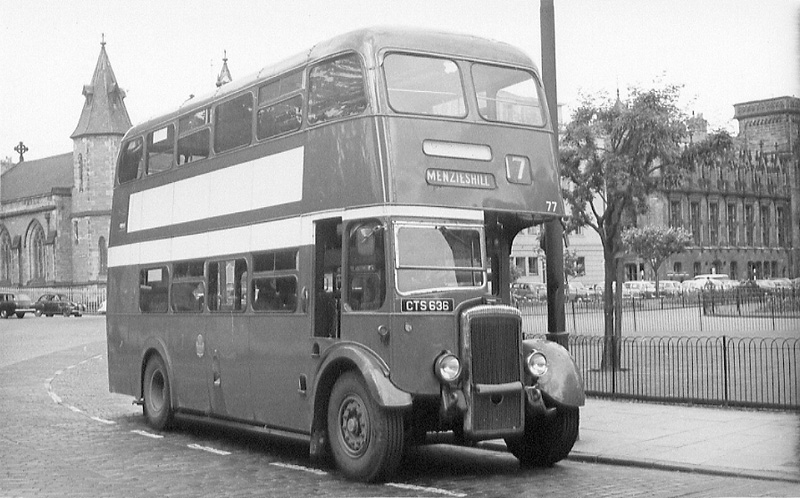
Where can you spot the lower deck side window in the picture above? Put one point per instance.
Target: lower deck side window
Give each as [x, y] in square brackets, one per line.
[153, 290]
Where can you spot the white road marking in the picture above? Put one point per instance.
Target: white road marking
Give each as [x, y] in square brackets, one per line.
[412, 487]
[300, 468]
[75, 409]
[103, 421]
[148, 434]
[55, 397]
[208, 449]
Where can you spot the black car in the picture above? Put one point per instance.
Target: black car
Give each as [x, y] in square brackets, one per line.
[57, 304]
[24, 304]
[7, 305]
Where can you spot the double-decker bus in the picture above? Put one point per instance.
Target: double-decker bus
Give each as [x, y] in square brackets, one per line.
[321, 251]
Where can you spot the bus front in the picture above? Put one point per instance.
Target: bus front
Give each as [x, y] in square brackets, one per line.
[469, 163]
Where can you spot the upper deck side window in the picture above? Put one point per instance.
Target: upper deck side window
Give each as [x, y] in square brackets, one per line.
[507, 95]
[160, 149]
[424, 85]
[194, 136]
[233, 123]
[336, 89]
[131, 160]
[281, 107]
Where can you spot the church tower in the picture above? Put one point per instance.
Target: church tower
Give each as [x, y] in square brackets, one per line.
[96, 140]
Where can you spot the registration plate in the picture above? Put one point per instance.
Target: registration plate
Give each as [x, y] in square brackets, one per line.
[427, 305]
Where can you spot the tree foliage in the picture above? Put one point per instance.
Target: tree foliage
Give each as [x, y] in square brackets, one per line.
[655, 243]
[612, 156]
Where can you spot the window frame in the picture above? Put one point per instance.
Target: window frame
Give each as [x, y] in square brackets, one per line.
[540, 97]
[309, 88]
[215, 117]
[456, 62]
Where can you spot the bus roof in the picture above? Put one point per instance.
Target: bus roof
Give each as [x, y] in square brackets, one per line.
[366, 41]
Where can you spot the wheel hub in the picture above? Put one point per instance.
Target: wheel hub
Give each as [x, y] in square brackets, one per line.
[354, 423]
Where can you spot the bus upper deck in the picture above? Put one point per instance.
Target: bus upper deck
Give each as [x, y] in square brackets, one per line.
[372, 117]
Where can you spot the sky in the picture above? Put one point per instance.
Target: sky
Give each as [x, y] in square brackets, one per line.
[722, 52]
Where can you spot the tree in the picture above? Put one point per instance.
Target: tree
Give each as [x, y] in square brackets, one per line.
[612, 156]
[655, 243]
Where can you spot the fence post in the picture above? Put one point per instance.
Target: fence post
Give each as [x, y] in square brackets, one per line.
[772, 307]
[700, 304]
[725, 366]
[633, 306]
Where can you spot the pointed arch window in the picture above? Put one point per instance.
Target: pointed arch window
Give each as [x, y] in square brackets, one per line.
[102, 250]
[37, 253]
[5, 256]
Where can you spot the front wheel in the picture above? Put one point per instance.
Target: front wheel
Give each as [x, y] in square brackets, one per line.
[38, 313]
[546, 439]
[156, 392]
[366, 440]
[21, 315]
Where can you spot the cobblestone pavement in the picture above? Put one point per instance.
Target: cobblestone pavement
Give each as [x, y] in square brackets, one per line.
[63, 434]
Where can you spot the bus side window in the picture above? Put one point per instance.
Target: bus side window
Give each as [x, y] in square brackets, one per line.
[160, 145]
[225, 285]
[367, 270]
[233, 123]
[130, 163]
[194, 143]
[336, 89]
[187, 293]
[153, 289]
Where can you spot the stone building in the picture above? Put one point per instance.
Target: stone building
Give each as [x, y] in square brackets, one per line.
[55, 212]
[744, 211]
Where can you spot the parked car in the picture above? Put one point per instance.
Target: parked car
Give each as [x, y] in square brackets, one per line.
[638, 289]
[102, 308]
[57, 304]
[7, 305]
[24, 304]
[670, 288]
[576, 291]
[528, 292]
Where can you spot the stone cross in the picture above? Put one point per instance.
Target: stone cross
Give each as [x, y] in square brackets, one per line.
[21, 149]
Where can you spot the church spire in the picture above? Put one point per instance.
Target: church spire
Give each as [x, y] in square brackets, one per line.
[224, 73]
[104, 111]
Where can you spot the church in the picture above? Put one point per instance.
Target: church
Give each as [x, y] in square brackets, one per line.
[55, 212]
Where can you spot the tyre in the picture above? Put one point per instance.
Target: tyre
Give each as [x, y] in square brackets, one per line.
[3, 313]
[66, 313]
[546, 439]
[21, 315]
[366, 440]
[38, 313]
[156, 393]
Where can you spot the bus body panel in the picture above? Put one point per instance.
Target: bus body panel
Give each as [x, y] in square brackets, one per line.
[420, 178]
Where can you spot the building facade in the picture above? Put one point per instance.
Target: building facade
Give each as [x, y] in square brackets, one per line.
[743, 211]
[55, 212]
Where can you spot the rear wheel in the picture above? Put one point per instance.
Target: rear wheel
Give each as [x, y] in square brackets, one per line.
[3, 313]
[366, 440]
[546, 439]
[21, 315]
[156, 392]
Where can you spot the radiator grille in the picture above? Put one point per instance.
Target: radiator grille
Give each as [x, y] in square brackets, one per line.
[495, 349]
[494, 338]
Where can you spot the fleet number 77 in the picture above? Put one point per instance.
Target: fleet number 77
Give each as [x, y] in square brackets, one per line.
[551, 206]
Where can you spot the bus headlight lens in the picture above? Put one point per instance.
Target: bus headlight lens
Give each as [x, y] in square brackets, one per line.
[536, 363]
[447, 368]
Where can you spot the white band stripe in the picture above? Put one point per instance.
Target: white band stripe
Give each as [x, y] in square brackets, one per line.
[290, 232]
[263, 182]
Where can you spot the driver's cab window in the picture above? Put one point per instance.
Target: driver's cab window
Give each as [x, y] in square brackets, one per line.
[366, 276]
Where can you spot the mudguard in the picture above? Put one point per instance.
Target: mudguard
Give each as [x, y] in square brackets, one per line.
[372, 368]
[562, 382]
